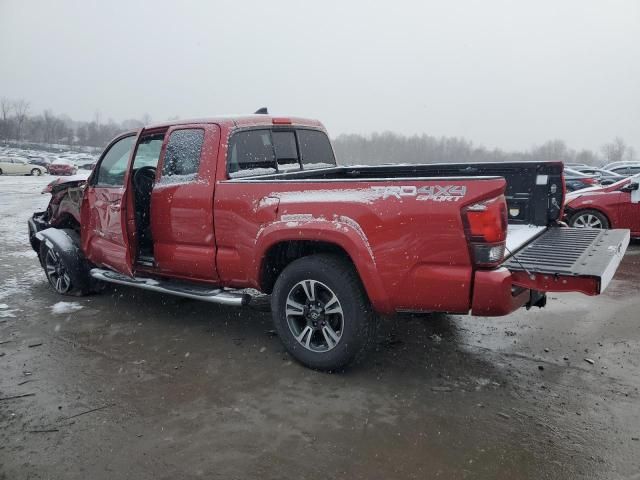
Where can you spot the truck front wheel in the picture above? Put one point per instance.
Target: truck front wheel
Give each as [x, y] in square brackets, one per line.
[321, 312]
[59, 274]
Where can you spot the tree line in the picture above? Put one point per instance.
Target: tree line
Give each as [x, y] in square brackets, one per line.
[18, 125]
[389, 147]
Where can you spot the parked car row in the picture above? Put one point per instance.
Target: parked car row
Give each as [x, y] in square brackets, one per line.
[56, 163]
[623, 169]
[20, 166]
[604, 177]
[576, 180]
[579, 176]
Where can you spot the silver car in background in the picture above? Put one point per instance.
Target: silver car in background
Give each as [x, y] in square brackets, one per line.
[19, 166]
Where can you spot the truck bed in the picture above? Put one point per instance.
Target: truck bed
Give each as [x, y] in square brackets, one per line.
[534, 189]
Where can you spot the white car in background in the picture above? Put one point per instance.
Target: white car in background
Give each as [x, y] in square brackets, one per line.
[19, 166]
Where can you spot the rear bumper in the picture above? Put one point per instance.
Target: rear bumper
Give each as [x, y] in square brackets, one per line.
[494, 293]
[560, 260]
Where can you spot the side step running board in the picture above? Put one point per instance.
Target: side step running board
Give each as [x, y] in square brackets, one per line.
[196, 292]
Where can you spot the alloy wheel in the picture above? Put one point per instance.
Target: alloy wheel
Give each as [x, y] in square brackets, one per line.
[56, 272]
[587, 221]
[314, 316]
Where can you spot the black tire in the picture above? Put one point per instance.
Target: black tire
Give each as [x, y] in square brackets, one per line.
[36, 172]
[589, 219]
[352, 331]
[61, 277]
[0, 171]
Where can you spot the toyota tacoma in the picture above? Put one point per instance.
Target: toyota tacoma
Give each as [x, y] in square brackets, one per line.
[214, 209]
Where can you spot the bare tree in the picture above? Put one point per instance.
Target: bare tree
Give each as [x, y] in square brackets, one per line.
[615, 150]
[552, 150]
[49, 125]
[630, 155]
[6, 106]
[587, 157]
[21, 109]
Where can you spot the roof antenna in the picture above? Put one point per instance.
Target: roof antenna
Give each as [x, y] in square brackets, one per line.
[262, 111]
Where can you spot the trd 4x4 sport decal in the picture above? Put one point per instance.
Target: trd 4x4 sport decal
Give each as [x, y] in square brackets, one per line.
[437, 193]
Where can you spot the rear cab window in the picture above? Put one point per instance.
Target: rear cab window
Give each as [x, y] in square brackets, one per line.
[268, 151]
[251, 152]
[286, 150]
[315, 149]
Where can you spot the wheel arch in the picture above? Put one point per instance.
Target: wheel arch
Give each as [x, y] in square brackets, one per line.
[66, 243]
[279, 247]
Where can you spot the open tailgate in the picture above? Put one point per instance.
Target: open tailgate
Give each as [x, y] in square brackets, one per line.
[569, 260]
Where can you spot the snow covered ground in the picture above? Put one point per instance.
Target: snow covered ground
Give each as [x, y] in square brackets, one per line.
[20, 196]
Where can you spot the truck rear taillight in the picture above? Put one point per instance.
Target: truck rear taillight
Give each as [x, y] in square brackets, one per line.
[486, 228]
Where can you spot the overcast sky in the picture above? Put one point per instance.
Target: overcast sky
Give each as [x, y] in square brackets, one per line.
[501, 73]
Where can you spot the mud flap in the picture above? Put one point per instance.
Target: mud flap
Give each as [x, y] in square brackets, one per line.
[569, 260]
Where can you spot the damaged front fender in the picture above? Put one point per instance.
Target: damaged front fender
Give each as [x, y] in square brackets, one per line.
[66, 243]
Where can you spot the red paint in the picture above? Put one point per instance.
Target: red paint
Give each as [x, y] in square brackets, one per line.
[409, 254]
[181, 219]
[62, 169]
[493, 293]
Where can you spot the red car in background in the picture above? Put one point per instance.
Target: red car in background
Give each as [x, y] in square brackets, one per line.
[62, 167]
[612, 206]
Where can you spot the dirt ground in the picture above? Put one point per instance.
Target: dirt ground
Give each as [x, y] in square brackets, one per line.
[137, 385]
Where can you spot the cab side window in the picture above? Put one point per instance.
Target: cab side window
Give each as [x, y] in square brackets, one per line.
[182, 157]
[114, 164]
[148, 151]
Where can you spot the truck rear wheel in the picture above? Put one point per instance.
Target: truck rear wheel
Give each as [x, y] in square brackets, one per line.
[321, 312]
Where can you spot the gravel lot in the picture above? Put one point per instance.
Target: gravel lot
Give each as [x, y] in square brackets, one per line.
[131, 384]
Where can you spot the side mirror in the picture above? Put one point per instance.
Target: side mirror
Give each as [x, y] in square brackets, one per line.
[630, 187]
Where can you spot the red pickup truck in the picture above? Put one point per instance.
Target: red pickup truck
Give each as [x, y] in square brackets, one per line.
[209, 209]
